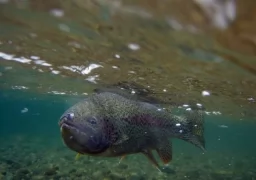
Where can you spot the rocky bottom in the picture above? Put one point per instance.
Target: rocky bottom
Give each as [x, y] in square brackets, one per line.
[23, 158]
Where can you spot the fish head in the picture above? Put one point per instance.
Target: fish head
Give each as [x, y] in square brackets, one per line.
[83, 131]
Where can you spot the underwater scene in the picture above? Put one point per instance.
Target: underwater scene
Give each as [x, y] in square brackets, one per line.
[128, 90]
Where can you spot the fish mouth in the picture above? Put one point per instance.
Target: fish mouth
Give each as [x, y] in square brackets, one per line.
[71, 127]
[73, 135]
[81, 137]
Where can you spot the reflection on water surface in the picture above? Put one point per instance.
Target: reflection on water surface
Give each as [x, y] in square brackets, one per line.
[185, 48]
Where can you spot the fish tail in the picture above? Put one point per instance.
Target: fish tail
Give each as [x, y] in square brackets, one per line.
[191, 128]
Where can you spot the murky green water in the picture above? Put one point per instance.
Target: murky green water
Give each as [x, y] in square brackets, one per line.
[53, 54]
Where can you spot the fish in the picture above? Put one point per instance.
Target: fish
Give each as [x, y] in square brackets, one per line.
[108, 124]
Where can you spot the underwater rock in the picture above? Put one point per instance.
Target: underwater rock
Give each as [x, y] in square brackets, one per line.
[105, 172]
[23, 171]
[12, 164]
[38, 177]
[122, 166]
[72, 171]
[51, 171]
[136, 177]
[9, 162]
[97, 174]
[57, 177]
[78, 174]
[116, 176]
[22, 174]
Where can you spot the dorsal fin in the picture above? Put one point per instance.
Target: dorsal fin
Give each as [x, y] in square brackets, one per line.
[164, 150]
[131, 90]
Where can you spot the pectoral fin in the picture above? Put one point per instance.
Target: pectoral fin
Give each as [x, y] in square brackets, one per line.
[152, 159]
[164, 151]
[77, 156]
[121, 159]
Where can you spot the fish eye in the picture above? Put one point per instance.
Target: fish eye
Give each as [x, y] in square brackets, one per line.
[92, 121]
[70, 116]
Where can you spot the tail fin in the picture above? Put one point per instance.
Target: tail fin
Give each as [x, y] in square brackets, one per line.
[193, 129]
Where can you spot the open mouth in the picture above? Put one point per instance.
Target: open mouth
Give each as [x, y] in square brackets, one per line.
[71, 135]
[71, 127]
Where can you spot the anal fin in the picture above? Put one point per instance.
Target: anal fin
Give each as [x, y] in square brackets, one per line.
[164, 150]
[152, 159]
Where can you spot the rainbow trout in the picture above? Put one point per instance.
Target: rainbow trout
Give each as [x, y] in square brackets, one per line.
[110, 125]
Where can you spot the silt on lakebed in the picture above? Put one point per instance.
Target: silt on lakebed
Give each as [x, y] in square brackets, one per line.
[110, 124]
